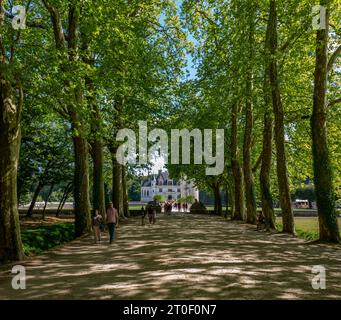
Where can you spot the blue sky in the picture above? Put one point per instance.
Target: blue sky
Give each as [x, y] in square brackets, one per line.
[190, 64]
[159, 162]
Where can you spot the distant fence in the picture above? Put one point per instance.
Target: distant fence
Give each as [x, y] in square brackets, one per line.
[301, 213]
[50, 205]
[65, 212]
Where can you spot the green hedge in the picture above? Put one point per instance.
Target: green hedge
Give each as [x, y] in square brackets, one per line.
[39, 239]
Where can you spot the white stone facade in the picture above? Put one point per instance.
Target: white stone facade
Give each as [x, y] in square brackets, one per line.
[171, 189]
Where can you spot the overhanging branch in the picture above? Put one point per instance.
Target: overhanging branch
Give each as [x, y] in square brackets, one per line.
[333, 58]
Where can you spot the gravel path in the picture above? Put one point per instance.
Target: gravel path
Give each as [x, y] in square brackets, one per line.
[182, 257]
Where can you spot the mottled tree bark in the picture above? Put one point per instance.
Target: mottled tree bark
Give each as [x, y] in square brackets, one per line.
[323, 177]
[11, 102]
[125, 192]
[98, 179]
[81, 186]
[98, 193]
[282, 172]
[10, 238]
[237, 173]
[81, 175]
[264, 178]
[227, 195]
[232, 201]
[249, 186]
[117, 194]
[266, 157]
[218, 207]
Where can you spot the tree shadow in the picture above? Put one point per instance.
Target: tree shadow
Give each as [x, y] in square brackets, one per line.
[181, 257]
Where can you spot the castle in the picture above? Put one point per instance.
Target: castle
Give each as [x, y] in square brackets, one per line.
[161, 184]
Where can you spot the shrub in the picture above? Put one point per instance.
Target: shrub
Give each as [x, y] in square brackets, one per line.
[38, 239]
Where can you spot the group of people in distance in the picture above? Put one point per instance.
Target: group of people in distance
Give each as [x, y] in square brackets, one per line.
[151, 210]
[111, 221]
[169, 205]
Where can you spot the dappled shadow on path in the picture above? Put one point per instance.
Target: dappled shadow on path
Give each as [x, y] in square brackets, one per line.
[182, 257]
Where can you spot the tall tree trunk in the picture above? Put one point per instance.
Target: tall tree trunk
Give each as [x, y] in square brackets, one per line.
[250, 198]
[236, 169]
[10, 238]
[98, 195]
[38, 189]
[98, 179]
[218, 208]
[47, 200]
[125, 192]
[117, 194]
[81, 186]
[264, 178]
[64, 198]
[227, 195]
[107, 194]
[323, 180]
[34, 199]
[67, 40]
[60, 204]
[215, 200]
[266, 158]
[282, 172]
[10, 136]
[81, 149]
[232, 201]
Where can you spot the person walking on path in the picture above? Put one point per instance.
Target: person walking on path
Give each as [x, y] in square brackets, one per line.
[112, 221]
[151, 214]
[96, 226]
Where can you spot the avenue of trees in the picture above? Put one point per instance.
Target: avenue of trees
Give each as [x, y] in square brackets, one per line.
[81, 70]
[273, 82]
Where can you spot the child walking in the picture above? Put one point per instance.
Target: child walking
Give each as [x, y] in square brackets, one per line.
[96, 226]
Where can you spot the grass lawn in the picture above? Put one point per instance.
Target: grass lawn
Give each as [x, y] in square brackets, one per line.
[135, 207]
[306, 227]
